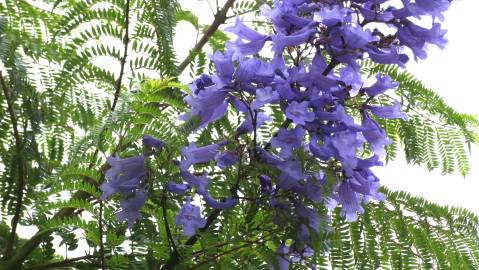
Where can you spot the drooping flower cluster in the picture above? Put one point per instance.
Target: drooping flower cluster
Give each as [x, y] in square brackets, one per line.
[292, 254]
[314, 78]
[126, 177]
[190, 218]
[195, 155]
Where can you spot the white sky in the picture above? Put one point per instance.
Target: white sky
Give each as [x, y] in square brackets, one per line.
[451, 72]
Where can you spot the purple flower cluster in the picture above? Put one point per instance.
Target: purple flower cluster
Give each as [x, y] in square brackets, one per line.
[190, 218]
[292, 254]
[197, 155]
[314, 78]
[126, 177]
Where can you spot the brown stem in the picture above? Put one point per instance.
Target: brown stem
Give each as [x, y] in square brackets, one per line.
[219, 255]
[126, 40]
[175, 257]
[63, 263]
[21, 171]
[71, 262]
[247, 244]
[100, 228]
[220, 18]
[330, 67]
[30, 245]
[171, 241]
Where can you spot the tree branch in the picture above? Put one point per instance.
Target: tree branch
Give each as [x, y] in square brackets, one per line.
[118, 83]
[171, 241]
[29, 246]
[76, 261]
[17, 259]
[214, 258]
[220, 18]
[21, 170]
[126, 40]
[100, 228]
[175, 256]
[247, 244]
[63, 263]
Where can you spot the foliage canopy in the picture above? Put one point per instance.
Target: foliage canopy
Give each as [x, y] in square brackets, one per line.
[63, 111]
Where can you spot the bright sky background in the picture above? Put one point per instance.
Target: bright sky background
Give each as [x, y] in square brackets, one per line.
[451, 72]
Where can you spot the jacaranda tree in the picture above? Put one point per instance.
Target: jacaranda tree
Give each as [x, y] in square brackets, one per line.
[262, 160]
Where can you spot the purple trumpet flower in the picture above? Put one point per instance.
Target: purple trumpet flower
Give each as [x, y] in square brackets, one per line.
[190, 218]
[388, 112]
[124, 176]
[287, 140]
[153, 142]
[299, 113]
[226, 159]
[193, 154]
[177, 188]
[383, 83]
[130, 208]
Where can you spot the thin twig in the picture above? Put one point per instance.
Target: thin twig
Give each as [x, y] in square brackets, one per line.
[220, 18]
[211, 8]
[248, 244]
[235, 187]
[171, 241]
[72, 261]
[214, 258]
[100, 228]
[118, 83]
[63, 263]
[21, 171]
[175, 257]
[126, 40]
